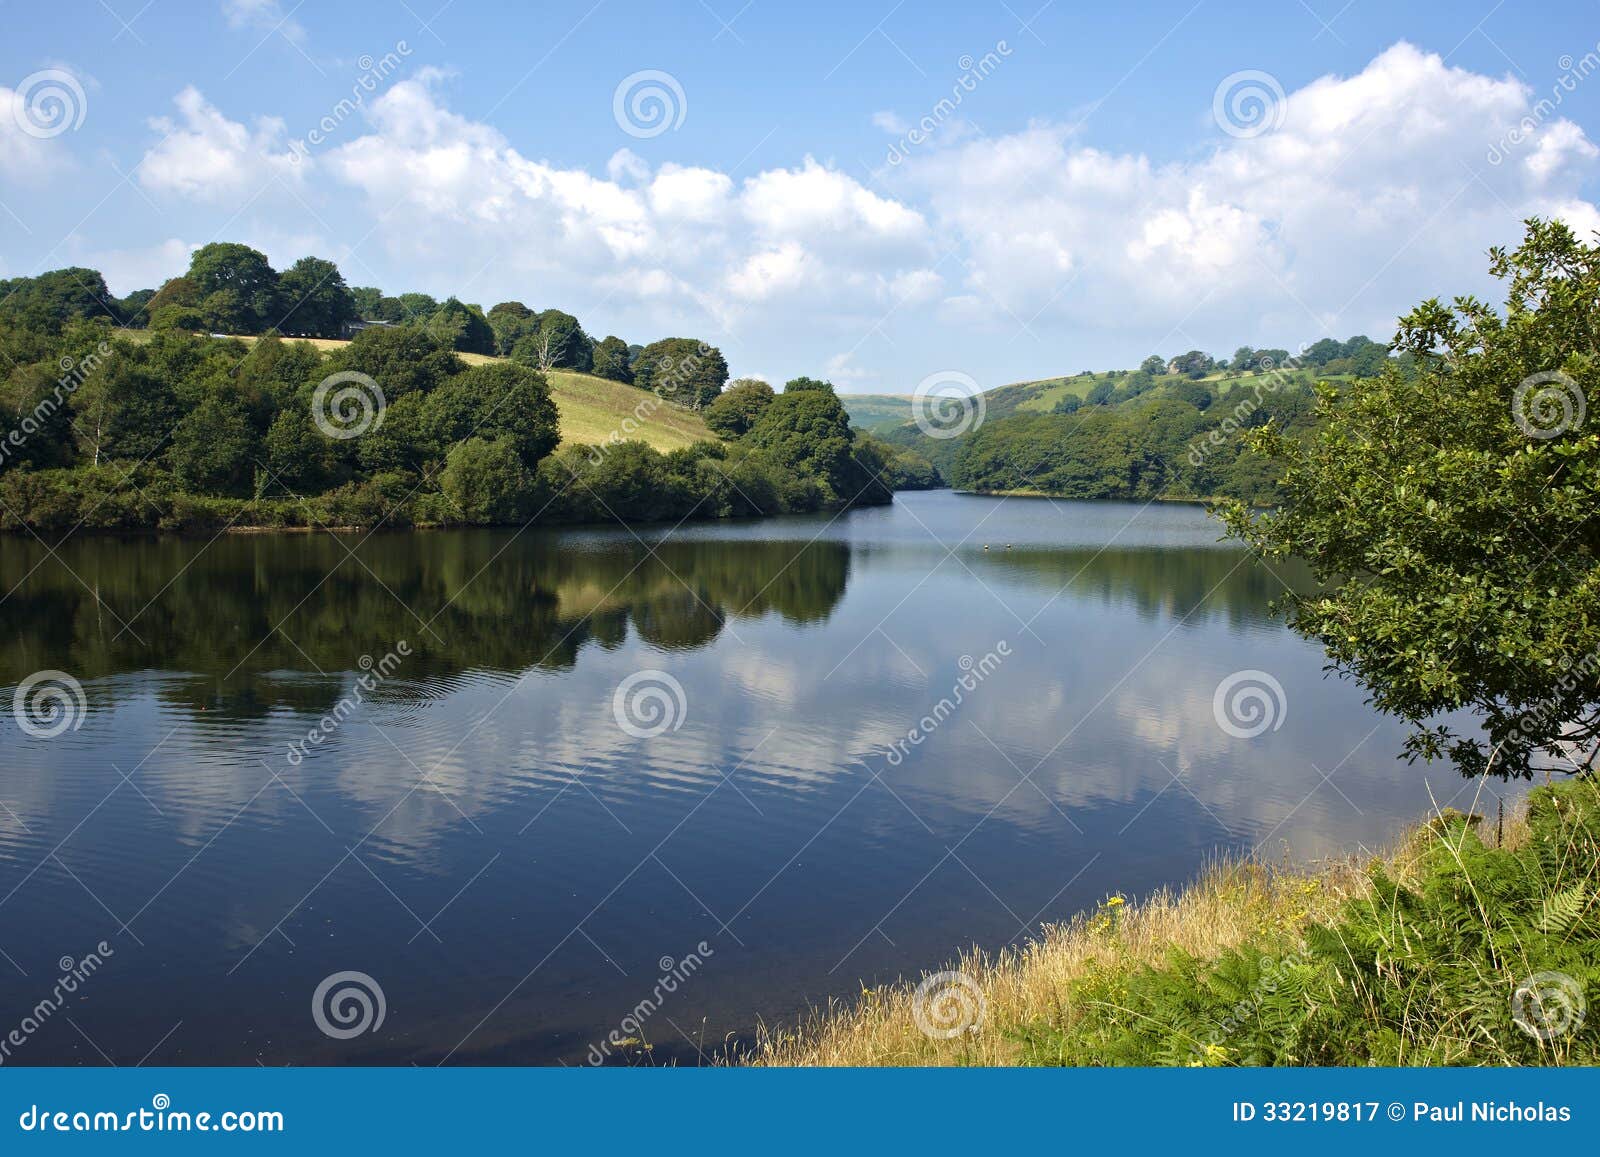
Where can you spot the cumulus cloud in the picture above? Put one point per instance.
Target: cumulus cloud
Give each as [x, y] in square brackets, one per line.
[1377, 190]
[676, 242]
[1374, 190]
[207, 157]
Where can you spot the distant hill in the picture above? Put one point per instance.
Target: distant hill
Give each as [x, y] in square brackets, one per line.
[877, 411]
[883, 413]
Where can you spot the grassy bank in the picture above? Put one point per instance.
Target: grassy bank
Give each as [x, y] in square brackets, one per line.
[1420, 956]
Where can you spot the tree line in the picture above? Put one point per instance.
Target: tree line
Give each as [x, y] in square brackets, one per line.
[181, 427]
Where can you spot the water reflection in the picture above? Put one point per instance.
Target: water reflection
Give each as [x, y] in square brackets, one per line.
[479, 834]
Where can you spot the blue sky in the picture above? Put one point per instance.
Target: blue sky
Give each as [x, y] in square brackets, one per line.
[1091, 199]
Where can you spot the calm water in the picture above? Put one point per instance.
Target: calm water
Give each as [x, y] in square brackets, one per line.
[515, 869]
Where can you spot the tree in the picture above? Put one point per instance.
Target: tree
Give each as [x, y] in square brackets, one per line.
[1195, 394]
[456, 325]
[214, 448]
[564, 344]
[1450, 517]
[682, 370]
[499, 400]
[806, 429]
[123, 410]
[738, 408]
[51, 300]
[33, 408]
[366, 298]
[1154, 365]
[1194, 363]
[235, 286]
[400, 360]
[511, 321]
[314, 300]
[611, 360]
[486, 480]
[1099, 394]
[415, 307]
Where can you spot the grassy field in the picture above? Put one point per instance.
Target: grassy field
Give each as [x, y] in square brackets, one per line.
[591, 408]
[1418, 956]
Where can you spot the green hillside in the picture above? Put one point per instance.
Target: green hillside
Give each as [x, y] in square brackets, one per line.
[877, 411]
[590, 408]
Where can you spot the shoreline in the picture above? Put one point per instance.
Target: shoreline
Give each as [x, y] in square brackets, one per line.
[1081, 991]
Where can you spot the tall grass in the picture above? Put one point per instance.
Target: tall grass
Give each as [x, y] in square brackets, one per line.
[1461, 946]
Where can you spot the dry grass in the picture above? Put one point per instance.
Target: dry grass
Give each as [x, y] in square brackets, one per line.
[1230, 903]
[591, 409]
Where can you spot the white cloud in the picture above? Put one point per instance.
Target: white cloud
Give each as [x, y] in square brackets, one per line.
[1376, 191]
[676, 247]
[207, 157]
[266, 16]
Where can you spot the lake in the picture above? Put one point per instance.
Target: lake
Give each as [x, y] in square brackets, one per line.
[533, 784]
